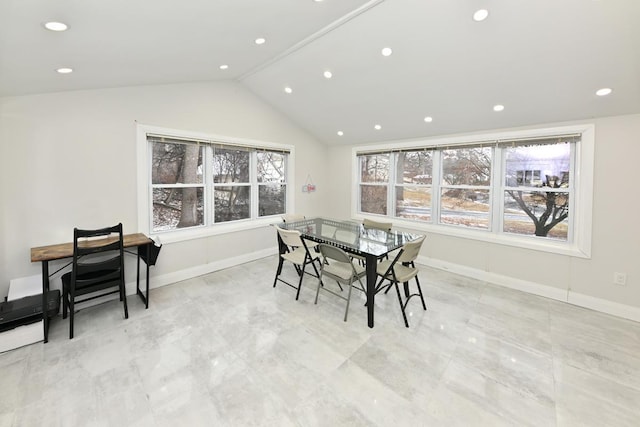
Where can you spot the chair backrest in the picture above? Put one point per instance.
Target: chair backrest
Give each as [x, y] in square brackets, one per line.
[98, 255]
[292, 217]
[385, 226]
[411, 250]
[334, 253]
[291, 238]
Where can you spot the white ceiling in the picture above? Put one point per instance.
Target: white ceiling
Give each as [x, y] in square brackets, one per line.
[542, 59]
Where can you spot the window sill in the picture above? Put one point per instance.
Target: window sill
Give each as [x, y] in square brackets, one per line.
[214, 230]
[533, 243]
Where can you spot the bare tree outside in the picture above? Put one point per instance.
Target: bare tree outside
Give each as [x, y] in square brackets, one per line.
[374, 178]
[176, 175]
[272, 188]
[537, 182]
[232, 199]
[465, 186]
[414, 174]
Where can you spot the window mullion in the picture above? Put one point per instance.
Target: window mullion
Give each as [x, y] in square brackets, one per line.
[208, 185]
[436, 185]
[391, 190]
[253, 183]
[496, 194]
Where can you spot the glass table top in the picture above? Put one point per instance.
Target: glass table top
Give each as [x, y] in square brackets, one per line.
[350, 235]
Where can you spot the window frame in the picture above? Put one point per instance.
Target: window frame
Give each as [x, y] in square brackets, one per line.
[144, 186]
[581, 197]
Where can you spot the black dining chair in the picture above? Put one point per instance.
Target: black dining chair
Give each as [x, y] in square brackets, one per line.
[97, 269]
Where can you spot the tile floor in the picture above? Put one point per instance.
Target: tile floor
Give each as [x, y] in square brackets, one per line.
[227, 349]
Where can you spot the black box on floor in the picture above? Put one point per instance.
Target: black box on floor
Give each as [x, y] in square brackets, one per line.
[23, 311]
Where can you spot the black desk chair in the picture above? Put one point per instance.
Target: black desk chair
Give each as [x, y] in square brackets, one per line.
[98, 269]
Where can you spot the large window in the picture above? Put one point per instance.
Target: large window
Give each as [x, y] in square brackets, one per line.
[520, 187]
[200, 183]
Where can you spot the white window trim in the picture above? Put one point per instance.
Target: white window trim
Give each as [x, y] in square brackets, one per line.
[581, 208]
[143, 188]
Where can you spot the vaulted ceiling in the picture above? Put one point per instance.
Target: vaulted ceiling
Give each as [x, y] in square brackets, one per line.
[543, 60]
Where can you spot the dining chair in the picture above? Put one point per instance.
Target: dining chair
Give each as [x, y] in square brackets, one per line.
[337, 265]
[299, 217]
[292, 217]
[375, 225]
[293, 248]
[401, 270]
[97, 269]
[385, 226]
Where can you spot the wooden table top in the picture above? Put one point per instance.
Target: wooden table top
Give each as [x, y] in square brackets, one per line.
[65, 250]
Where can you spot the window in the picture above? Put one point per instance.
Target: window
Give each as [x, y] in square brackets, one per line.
[374, 183]
[536, 201]
[198, 183]
[513, 187]
[414, 175]
[465, 187]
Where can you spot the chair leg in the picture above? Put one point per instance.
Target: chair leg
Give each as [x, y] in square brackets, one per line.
[124, 300]
[318, 290]
[300, 281]
[346, 311]
[278, 272]
[65, 304]
[404, 315]
[420, 293]
[71, 314]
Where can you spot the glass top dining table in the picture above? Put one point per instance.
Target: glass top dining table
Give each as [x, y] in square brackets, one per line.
[353, 237]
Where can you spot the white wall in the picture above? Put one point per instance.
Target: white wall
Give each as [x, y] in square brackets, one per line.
[615, 230]
[69, 159]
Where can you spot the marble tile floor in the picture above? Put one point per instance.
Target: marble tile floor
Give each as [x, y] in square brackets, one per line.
[227, 349]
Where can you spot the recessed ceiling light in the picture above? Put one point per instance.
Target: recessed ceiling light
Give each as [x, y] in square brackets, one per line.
[56, 26]
[386, 51]
[328, 74]
[604, 91]
[377, 127]
[498, 107]
[288, 89]
[224, 67]
[65, 70]
[480, 15]
[260, 40]
[428, 119]
[340, 133]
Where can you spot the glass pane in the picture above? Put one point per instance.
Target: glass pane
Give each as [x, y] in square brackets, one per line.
[374, 168]
[373, 199]
[413, 203]
[230, 165]
[466, 166]
[538, 165]
[272, 199]
[469, 208]
[414, 167]
[231, 203]
[177, 208]
[176, 163]
[550, 210]
[271, 167]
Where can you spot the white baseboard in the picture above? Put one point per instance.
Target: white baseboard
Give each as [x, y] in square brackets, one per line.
[605, 306]
[564, 295]
[189, 273]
